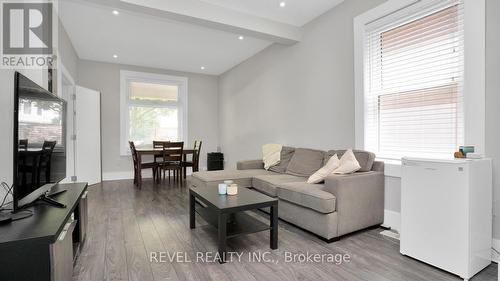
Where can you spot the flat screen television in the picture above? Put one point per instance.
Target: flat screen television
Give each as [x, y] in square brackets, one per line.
[39, 141]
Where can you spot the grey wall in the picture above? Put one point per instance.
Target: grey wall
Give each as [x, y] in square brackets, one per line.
[202, 110]
[493, 102]
[301, 95]
[67, 52]
[393, 194]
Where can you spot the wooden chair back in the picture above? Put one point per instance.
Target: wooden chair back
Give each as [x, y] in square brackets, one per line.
[172, 152]
[196, 155]
[159, 144]
[49, 145]
[47, 149]
[23, 144]
[133, 152]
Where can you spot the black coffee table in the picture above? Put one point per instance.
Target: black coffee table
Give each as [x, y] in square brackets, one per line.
[227, 213]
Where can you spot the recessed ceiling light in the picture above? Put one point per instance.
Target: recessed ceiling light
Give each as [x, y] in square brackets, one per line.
[115, 56]
[115, 12]
[282, 4]
[241, 37]
[202, 68]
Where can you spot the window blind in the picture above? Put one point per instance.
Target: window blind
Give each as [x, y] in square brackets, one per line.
[414, 64]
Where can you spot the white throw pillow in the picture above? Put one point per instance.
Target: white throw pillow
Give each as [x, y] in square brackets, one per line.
[320, 175]
[348, 163]
[271, 154]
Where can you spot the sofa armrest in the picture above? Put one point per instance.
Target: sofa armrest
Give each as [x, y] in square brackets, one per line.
[250, 164]
[378, 166]
[359, 199]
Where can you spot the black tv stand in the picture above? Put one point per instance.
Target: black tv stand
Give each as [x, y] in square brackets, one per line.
[5, 218]
[51, 201]
[44, 245]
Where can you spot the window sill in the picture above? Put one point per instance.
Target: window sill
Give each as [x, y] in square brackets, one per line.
[392, 167]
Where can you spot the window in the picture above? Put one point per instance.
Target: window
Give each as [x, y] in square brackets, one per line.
[153, 107]
[414, 81]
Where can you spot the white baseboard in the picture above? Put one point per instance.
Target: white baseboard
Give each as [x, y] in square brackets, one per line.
[392, 219]
[124, 175]
[495, 243]
[127, 175]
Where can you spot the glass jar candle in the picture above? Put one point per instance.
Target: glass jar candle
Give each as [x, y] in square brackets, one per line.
[232, 189]
[222, 188]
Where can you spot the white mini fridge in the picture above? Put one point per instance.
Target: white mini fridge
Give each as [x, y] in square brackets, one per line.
[446, 213]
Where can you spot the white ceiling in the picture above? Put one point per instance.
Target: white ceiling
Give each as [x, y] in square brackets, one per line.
[153, 40]
[296, 12]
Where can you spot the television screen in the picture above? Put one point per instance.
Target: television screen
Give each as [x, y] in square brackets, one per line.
[40, 138]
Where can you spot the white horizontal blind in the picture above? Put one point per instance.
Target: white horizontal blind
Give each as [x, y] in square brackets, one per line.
[414, 81]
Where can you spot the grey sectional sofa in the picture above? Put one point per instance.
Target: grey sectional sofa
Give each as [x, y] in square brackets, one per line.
[340, 205]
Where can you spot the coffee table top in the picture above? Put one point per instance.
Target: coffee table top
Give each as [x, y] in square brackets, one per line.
[246, 199]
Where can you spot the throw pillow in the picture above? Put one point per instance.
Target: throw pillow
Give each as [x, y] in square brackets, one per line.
[286, 156]
[327, 170]
[271, 154]
[305, 162]
[364, 158]
[348, 163]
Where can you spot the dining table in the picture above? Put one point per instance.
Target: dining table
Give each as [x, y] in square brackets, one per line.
[158, 151]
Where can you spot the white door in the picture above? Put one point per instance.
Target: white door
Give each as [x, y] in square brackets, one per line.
[88, 135]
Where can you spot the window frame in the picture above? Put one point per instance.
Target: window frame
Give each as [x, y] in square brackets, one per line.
[474, 67]
[125, 102]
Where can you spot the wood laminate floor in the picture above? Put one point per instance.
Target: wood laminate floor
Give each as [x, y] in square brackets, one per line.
[127, 225]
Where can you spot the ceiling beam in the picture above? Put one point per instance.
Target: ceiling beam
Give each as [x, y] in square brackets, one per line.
[211, 16]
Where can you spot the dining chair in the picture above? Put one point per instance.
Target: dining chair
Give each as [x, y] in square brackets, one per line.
[158, 144]
[172, 159]
[27, 164]
[149, 165]
[23, 144]
[159, 158]
[45, 160]
[195, 160]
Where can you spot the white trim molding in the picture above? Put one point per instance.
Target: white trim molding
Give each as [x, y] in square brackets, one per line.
[129, 175]
[392, 219]
[63, 76]
[495, 244]
[63, 72]
[474, 75]
[126, 175]
[126, 77]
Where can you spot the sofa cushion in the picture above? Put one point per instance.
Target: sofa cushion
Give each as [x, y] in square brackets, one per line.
[305, 162]
[268, 183]
[286, 155]
[365, 158]
[240, 177]
[307, 195]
